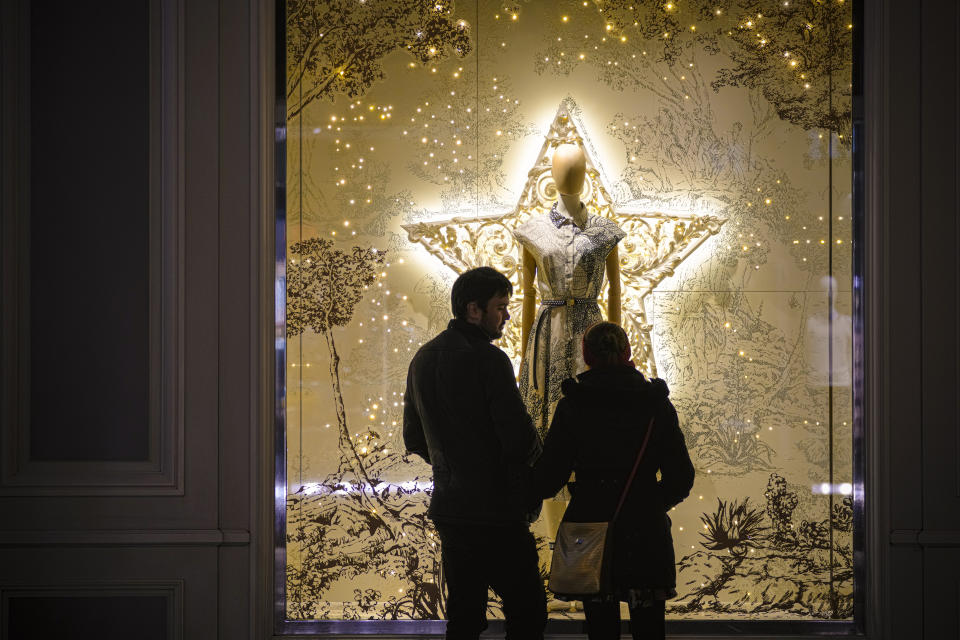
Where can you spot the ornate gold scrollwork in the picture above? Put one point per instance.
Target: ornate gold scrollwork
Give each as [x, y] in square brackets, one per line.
[655, 245]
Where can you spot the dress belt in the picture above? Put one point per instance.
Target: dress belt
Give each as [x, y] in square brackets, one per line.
[567, 302]
[551, 304]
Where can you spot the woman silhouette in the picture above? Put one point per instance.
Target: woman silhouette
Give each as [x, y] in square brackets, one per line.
[596, 433]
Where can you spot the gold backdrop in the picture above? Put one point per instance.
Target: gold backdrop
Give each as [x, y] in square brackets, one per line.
[717, 135]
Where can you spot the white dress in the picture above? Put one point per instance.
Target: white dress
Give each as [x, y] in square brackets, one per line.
[570, 268]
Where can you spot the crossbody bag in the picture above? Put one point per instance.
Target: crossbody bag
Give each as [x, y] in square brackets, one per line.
[582, 563]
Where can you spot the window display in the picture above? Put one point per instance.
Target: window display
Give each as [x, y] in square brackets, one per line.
[714, 223]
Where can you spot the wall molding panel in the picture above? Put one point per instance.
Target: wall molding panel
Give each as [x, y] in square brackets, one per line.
[170, 590]
[939, 133]
[163, 471]
[925, 538]
[126, 537]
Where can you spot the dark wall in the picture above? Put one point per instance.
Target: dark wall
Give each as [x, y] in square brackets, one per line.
[915, 329]
[92, 616]
[135, 320]
[129, 198]
[88, 225]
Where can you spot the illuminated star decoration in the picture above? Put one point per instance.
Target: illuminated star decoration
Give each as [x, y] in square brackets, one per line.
[655, 244]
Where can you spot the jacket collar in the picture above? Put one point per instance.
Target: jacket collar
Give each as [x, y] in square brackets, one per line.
[471, 331]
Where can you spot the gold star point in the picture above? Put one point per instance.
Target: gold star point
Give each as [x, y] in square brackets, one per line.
[656, 242]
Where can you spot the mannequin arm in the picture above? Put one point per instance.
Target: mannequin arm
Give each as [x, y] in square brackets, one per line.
[529, 300]
[613, 277]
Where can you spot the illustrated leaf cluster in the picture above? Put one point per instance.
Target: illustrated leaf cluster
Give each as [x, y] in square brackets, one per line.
[324, 284]
[337, 47]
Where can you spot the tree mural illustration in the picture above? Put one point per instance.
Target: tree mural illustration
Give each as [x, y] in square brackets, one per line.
[739, 381]
[679, 152]
[341, 537]
[796, 54]
[354, 523]
[361, 190]
[762, 560]
[336, 47]
[324, 286]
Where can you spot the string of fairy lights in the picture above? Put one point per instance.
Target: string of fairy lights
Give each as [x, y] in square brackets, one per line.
[425, 116]
[448, 155]
[442, 131]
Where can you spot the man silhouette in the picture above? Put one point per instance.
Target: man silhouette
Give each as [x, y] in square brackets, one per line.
[463, 414]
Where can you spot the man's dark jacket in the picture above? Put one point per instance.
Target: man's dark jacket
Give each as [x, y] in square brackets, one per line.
[597, 431]
[463, 414]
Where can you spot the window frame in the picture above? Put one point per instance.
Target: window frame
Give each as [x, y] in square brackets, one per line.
[867, 490]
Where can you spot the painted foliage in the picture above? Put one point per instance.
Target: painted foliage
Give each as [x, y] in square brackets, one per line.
[734, 115]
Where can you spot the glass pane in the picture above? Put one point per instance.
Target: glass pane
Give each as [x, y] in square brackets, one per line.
[718, 136]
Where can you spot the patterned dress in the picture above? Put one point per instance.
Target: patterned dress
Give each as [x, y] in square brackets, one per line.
[570, 269]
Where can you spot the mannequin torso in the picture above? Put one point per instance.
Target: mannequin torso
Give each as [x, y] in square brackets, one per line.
[567, 252]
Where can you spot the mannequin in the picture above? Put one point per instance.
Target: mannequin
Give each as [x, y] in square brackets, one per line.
[561, 250]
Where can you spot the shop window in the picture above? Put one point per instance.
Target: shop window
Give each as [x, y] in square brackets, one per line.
[718, 136]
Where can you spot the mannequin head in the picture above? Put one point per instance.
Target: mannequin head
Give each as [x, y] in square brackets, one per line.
[569, 169]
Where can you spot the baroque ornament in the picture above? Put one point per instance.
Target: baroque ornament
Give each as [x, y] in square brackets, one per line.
[655, 244]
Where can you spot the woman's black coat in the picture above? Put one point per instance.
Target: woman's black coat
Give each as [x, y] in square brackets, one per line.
[597, 431]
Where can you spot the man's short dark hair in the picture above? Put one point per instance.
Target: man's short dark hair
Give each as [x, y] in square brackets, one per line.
[477, 285]
[605, 344]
